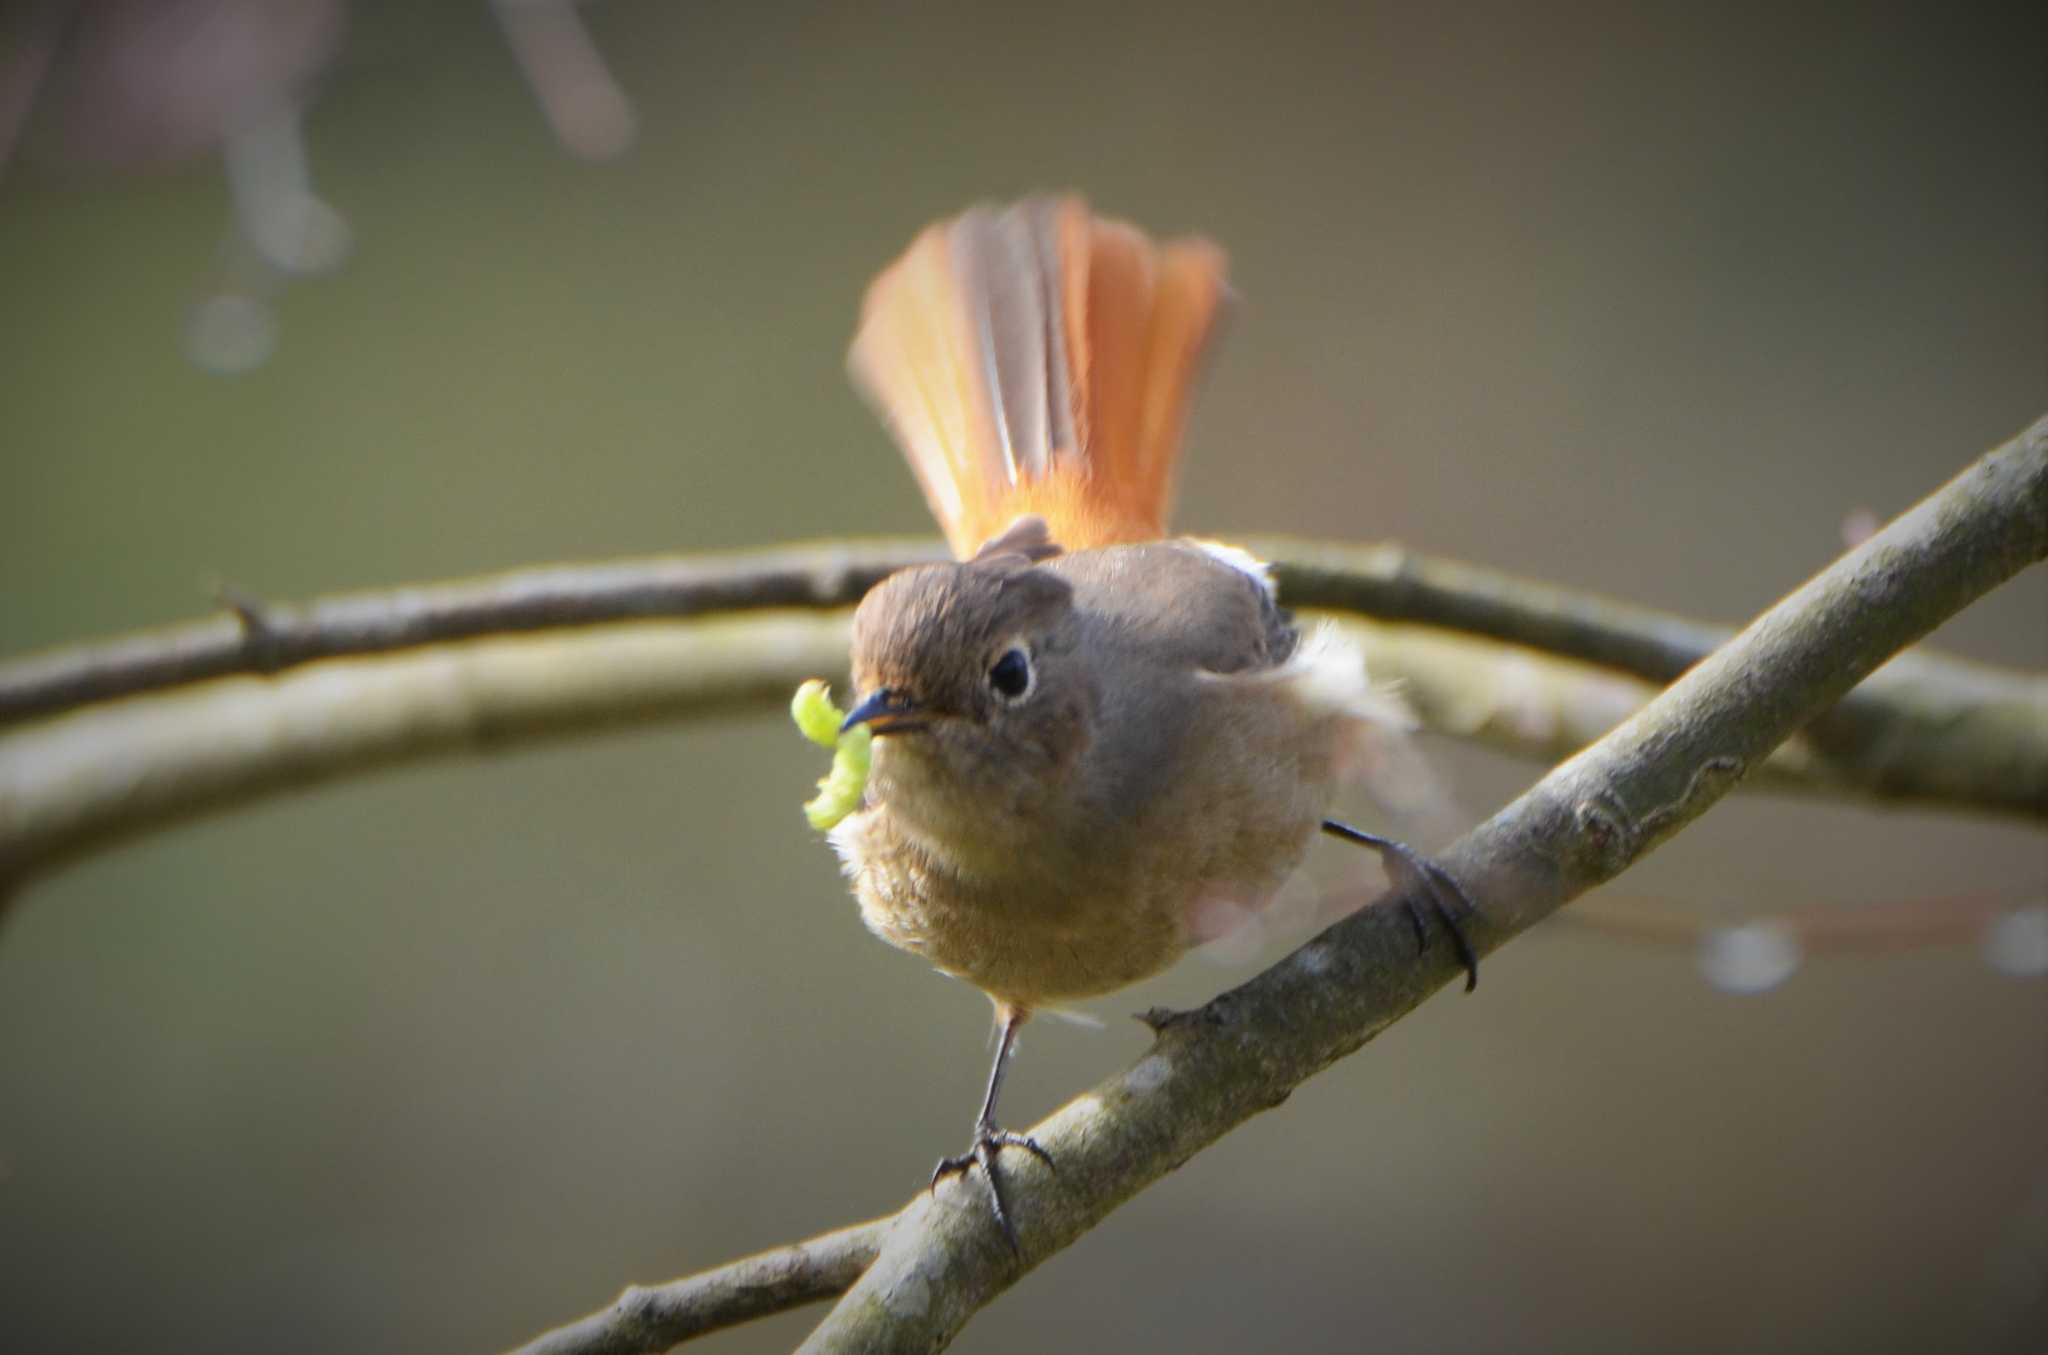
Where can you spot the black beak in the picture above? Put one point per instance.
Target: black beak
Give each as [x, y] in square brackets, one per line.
[886, 711]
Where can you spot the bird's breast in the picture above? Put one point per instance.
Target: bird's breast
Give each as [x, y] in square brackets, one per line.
[1025, 934]
[1075, 909]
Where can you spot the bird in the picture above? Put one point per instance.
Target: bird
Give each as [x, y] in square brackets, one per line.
[1087, 734]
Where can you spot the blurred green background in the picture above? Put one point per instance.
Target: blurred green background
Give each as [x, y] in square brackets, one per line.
[1645, 301]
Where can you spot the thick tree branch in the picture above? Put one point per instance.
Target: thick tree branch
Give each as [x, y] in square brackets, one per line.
[1579, 826]
[644, 1320]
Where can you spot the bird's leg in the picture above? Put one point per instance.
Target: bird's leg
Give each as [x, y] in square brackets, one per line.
[989, 1138]
[1415, 874]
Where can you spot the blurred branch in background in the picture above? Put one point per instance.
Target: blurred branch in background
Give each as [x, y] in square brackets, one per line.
[1586, 822]
[28, 43]
[140, 86]
[587, 111]
[131, 86]
[1763, 950]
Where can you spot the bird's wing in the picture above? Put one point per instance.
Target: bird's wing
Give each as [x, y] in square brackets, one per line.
[1185, 605]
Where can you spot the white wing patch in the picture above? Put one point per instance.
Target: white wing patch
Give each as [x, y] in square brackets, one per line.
[1241, 560]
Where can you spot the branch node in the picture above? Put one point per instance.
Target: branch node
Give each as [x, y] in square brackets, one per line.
[1217, 1011]
[634, 1308]
[1606, 826]
[262, 640]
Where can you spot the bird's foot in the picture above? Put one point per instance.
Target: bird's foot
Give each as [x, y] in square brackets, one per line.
[1421, 879]
[989, 1142]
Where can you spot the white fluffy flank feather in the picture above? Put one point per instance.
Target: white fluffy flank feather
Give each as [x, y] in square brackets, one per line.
[1327, 673]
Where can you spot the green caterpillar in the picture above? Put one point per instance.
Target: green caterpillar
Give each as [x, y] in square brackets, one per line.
[840, 789]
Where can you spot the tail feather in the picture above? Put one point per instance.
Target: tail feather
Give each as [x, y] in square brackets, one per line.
[1183, 310]
[1040, 360]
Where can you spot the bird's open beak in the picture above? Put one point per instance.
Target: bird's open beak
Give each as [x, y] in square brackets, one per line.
[885, 711]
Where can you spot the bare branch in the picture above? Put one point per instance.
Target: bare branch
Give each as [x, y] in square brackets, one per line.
[1579, 826]
[106, 773]
[1927, 728]
[1935, 729]
[1534, 705]
[258, 637]
[109, 772]
[1392, 583]
[643, 1320]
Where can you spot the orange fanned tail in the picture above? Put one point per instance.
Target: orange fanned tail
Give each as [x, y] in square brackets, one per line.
[1040, 360]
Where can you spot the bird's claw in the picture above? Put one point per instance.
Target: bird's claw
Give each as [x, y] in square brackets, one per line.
[989, 1141]
[1446, 897]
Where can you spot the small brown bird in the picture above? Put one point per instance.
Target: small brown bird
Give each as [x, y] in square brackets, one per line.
[1086, 738]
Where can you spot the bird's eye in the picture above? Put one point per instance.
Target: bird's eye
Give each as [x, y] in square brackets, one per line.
[1010, 675]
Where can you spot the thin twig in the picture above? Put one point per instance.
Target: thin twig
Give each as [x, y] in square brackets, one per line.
[654, 1318]
[1579, 826]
